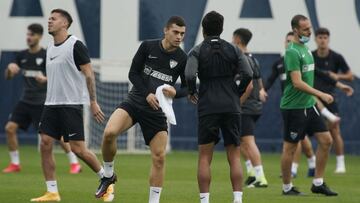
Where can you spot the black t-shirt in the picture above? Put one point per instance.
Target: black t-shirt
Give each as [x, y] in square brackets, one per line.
[253, 104]
[277, 70]
[30, 64]
[333, 62]
[151, 67]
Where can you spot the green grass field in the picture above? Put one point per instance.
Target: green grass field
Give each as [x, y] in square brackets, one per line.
[180, 182]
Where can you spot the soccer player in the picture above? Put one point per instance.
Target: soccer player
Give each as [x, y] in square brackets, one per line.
[30, 63]
[298, 109]
[328, 60]
[70, 85]
[250, 113]
[156, 62]
[224, 74]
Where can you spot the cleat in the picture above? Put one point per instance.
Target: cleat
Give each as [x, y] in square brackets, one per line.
[109, 195]
[104, 184]
[311, 172]
[12, 168]
[75, 168]
[293, 192]
[261, 183]
[340, 170]
[323, 189]
[250, 180]
[48, 197]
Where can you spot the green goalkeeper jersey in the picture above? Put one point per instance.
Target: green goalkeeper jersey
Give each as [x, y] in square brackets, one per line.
[298, 57]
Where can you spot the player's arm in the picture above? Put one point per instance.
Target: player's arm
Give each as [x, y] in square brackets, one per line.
[82, 61]
[244, 73]
[11, 71]
[346, 73]
[41, 78]
[271, 79]
[348, 76]
[191, 70]
[247, 92]
[182, 91]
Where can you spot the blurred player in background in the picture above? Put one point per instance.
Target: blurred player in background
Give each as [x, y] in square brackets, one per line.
[298, 109]
[224, 74]
[334, 63]
[157, 62]
[250, 112]
[70, 85]
[30, 63]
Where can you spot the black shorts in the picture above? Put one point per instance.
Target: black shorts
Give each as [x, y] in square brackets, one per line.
[248, 123]
[151, 121]
[25, 114]
[301, 122]
[63, 121]
[210, 126]
[333, 107]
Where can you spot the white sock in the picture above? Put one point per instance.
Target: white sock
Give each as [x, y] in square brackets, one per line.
[294, 167]
[340, 161]
[109, 169]
[238, 196]
[287, 187]
[51, 186]
[101, 173]
[259, 171]
[72, 158]
[328, 115]
[312, 162]
[249, 166]
[154, 195]
[14, 157]
[318, 181]
[204, 197]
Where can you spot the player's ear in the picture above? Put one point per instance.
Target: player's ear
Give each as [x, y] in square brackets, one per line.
[166, 29]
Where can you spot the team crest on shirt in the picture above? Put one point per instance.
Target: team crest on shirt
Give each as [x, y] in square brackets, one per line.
[39, 61]
[173, 63]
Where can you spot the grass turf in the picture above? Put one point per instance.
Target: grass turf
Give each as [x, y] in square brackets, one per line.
[180, 181]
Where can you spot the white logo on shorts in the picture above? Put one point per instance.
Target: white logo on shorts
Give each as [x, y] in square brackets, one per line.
[293, 135]
[70, 135]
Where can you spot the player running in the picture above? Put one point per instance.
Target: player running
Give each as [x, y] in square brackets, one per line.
[30, 63]
[334, 63]
[250, 113]
[157, 62]
[224, 74]
[298, 109]
[70, 85]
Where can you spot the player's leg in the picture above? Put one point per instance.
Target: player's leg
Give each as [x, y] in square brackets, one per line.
[75, 166]
[338, 146]
[233, 156]
[12, 142]
[249, 167]
[204, 171]
[119, 122]
[157, 172]
[287, 157]
[296, 161]
[309, 153]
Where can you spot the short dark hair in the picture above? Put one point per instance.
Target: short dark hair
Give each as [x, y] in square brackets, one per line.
[291, 33]
[177, 20]
[36, 28]
[322, 31]
[244, 34]
[296, 19]
[212, 23]
[64, 14]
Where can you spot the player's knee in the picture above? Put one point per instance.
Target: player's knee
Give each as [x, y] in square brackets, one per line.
[78, 151]
[10, 128]
[158, 159]
[45, 144]
[109, 135]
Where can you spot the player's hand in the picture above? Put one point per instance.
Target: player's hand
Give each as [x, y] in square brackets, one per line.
[333, 75]
[40, 78]
[13, 69]
[346, 89]
[263, 95]
[169, 92]
[96, 111]
[193, 98]
[153, 102]
[327, 98]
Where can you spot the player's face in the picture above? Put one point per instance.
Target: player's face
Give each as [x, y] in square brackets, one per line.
[174, 35]
[322, 41]
[288, 39]
[32, 39]
[304, 28]
[56, 23]
[236, 40]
